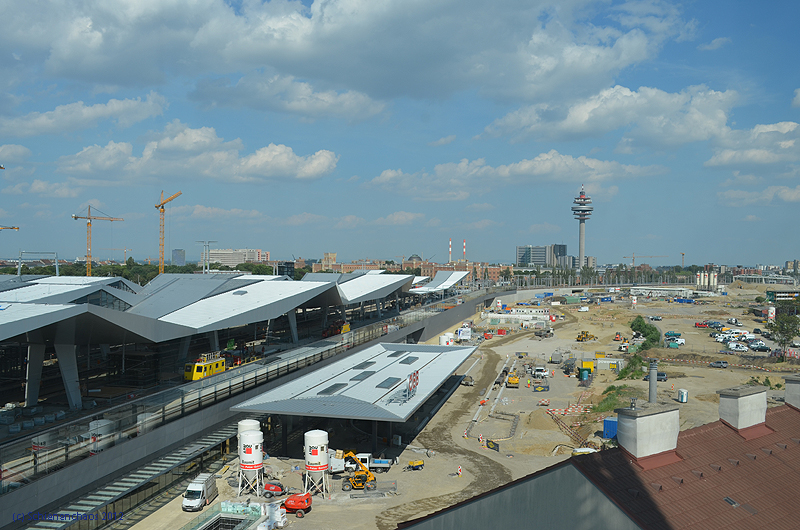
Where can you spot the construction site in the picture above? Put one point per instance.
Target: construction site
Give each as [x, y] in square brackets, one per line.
[513, 397]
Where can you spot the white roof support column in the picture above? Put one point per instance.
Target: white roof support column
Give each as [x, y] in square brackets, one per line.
[293, 325]
[34, 375]
[68, 363]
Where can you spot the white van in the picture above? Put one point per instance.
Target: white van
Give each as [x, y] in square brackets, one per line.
[583, 309]
[200, 492]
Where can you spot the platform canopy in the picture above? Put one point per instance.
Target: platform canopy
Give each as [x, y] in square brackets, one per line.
[441, 282]
[369, 385]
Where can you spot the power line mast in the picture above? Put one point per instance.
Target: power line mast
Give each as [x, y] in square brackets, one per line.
[160, 208]
[89, 217]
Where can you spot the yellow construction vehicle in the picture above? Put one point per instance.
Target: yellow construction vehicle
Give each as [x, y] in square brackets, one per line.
[584, 336]
[363, 478]
[513, 380]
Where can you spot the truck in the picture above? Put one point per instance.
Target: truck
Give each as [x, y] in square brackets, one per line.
[200, 492]
[555, 357]
[350, 462]
[672, 334]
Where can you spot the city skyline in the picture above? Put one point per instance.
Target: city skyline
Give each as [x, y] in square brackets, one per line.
[302, 128]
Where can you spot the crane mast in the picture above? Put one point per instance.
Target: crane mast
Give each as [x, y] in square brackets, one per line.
[160, 208]
[89, 217]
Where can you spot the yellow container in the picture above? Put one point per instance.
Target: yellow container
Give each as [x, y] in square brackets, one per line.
[599, 355]
[587, 364]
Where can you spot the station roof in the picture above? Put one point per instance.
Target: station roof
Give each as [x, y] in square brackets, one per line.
[441, 282]
[364, 286]
[368, 385]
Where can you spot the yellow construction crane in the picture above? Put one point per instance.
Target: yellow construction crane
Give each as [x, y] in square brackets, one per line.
[125, 250]
[9, 228]
[89, 218]
[633, 257]
[160, 208]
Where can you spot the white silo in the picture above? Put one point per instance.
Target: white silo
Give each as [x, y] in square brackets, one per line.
[248, 425]
[697, 279]
[451, 338]
[714, 282]
[443, 340]
[315, 449]
[251, 460]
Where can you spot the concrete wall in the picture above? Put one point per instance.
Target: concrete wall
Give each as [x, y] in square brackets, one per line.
[561, 498]
[743, 411]
[56, 489]
[649, 434]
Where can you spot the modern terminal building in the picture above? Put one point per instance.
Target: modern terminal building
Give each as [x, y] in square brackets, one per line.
[63, 337]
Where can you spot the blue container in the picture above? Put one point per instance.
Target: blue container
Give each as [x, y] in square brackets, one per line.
[609, 428]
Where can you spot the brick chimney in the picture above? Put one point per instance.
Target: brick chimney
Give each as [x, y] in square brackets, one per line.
[649, 434]
[744, 409]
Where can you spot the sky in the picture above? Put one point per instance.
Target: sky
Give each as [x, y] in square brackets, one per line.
[382, 129]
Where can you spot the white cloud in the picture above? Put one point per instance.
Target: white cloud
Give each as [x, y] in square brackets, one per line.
[483, 224]
[76, 116]
[181, 151]
[653, 115]
[349, 221]
[715, 44]
[13, 153]
[480, 207]
[59, 190]
[544, 228]
[766, 196]
[751, 218]
[767, 144]
[401, 219]
[200, 211]
[286, 94]
[443, 141]
[16, 189]
[381, 49]
[304, 218]
[455, 181]
[796, 100]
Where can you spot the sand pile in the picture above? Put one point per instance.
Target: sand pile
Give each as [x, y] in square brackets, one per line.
[540, 420]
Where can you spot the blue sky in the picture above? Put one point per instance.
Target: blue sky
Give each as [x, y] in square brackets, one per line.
[381, 129]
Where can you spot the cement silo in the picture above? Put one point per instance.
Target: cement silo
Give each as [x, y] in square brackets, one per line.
[315, 449]
[251, 460]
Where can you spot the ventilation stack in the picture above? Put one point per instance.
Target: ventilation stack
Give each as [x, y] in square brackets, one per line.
[653, 397]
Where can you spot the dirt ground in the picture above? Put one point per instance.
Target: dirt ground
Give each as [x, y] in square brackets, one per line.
[537, 441]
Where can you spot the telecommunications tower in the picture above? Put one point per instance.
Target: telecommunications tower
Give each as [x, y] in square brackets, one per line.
[582, 211]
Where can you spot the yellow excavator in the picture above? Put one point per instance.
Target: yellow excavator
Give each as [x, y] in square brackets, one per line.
[363, 478]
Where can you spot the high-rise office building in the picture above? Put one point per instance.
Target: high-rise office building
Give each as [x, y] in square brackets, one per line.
[178, 257]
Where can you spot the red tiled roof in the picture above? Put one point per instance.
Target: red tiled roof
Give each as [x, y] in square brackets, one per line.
[761, 475]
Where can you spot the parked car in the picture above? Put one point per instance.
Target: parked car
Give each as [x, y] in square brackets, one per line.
[672, 334]
[737, 346]
[656, 318]
[757, 331]
[676, 340]
[766, 334]
[660, 376]
[701, 324]
[719, 364]
[759, 347]
[714, 334]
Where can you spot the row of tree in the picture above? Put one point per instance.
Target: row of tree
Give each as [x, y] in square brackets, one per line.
[141, 273]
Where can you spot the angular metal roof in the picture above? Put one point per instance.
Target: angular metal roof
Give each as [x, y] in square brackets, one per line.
[368, 385]
[441, 282]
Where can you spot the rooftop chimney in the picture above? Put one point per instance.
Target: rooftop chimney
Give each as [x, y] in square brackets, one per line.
[744, 408]
[653, 381]
[649, 434]
[792, 396]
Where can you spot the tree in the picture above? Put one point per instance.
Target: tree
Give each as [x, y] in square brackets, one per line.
[783, 329]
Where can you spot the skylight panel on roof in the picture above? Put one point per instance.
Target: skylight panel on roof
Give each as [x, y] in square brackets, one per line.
[240, 293]
[362, 366]
[397, 354]
[363, 375]
[331, 389]
[389, 382]
[409, 360]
